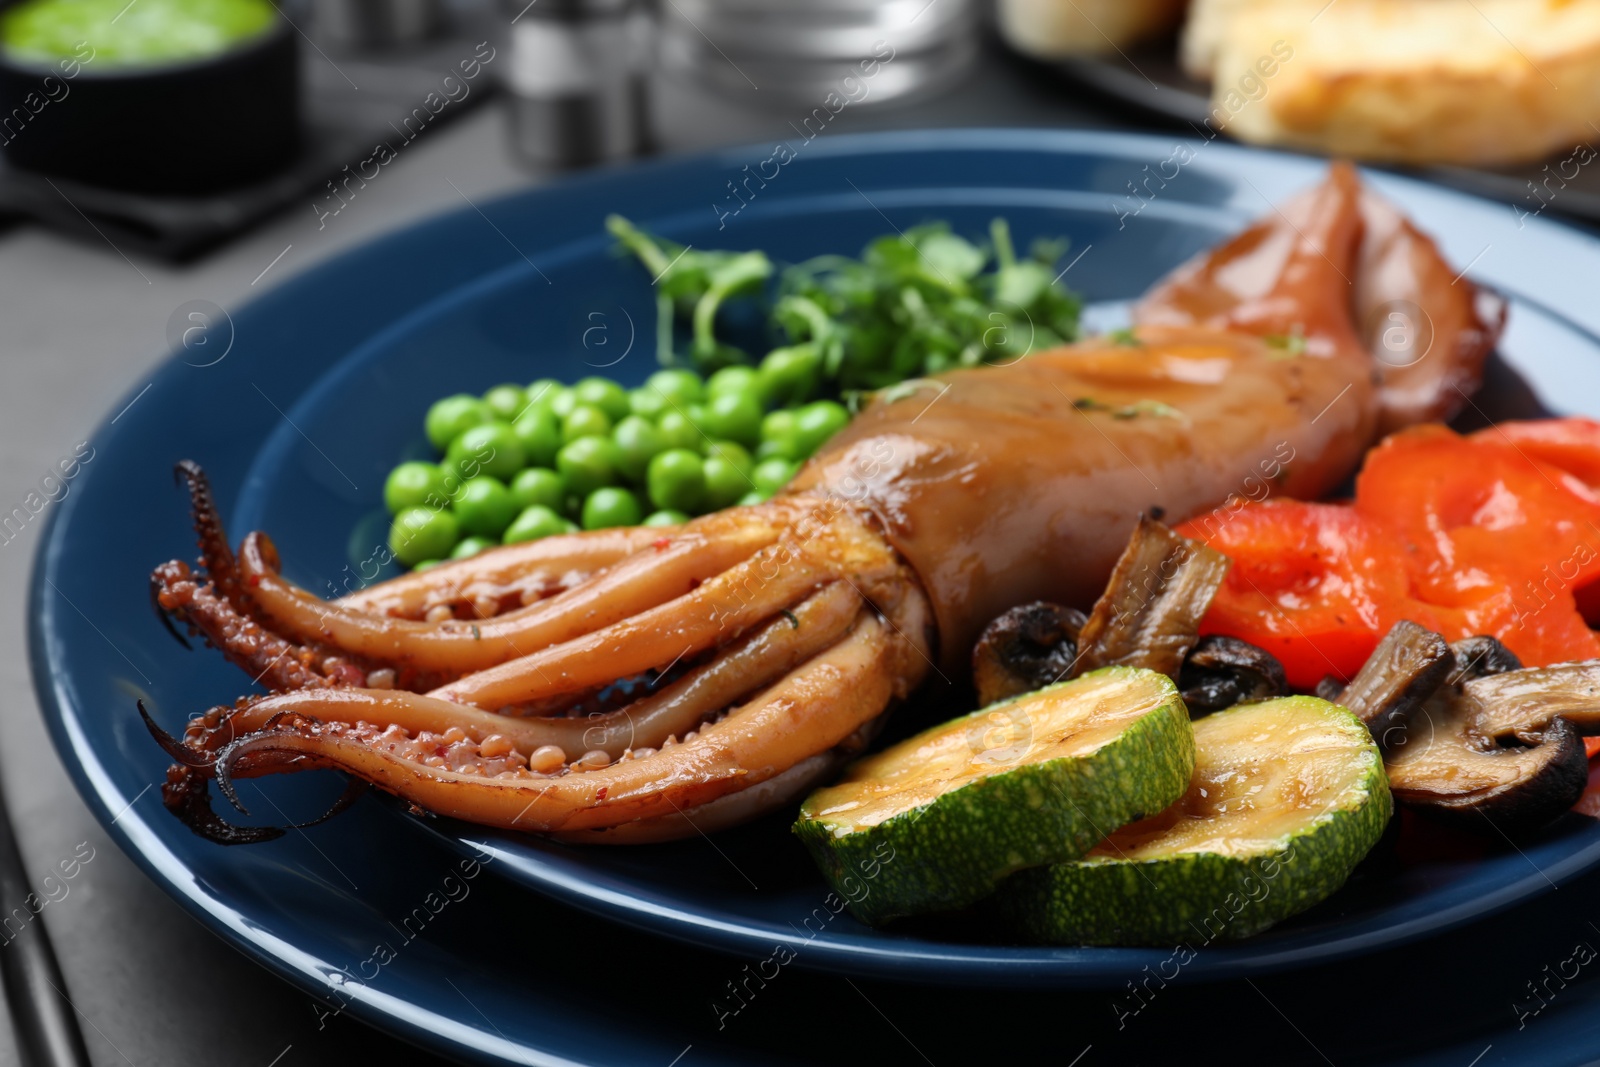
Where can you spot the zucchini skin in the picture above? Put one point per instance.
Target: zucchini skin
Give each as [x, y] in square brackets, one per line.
[1197, 897]
[954, 850]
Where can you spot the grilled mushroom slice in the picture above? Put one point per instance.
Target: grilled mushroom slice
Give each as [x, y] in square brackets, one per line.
[1149, 615]
[1516, 776]
[1523, 704]
[1447, 769]
[1409, 665]
[1220, 672]
[1027, 648]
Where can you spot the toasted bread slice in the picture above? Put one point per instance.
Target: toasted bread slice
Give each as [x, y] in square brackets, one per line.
[1475, 82]
[1205, 27]
[1050, 29]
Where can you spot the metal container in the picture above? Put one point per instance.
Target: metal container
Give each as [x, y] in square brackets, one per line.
[575, 75]
[801, 50]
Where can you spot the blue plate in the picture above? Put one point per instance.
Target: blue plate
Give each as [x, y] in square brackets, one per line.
[324, 387]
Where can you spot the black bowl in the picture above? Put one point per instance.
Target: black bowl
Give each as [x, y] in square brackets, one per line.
[186, 127]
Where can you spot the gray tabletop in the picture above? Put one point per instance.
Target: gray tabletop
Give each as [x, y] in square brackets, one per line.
[86, 323]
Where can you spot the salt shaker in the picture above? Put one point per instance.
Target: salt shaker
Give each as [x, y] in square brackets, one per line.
[576, 80]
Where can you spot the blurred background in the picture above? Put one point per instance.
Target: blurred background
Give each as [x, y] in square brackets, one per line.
[165, 161]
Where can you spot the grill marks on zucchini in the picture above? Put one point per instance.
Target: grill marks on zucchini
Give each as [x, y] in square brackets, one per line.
[937, 821]
[1286, 798]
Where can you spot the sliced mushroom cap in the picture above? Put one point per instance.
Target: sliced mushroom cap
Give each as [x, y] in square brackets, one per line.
[1220, 672]
[1444, 767]
[1441, 760]
[1409, 665]
[1481, 656]
[1523, 704]
[1150, 613]
[1027, 648]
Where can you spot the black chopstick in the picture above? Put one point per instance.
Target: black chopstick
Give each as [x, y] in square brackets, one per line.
[41, 1015]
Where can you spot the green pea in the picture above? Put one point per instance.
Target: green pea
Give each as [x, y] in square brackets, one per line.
[789, 375]
[539, 432]
[818, 421]
[665, 517]
[778, 425]
[420, 534]
[471, 546]
[543, 392]
[780, 435]
[604, 394]
[678, 432]
[506, 402]
[678, 387]
[734, 453]
[427, 565]
[735, 381]
[561, 403]
[484, 507]
[753, 497]
[449, 418]
[676, 479]
[725, 482]
[538, 485]
[611, 507]
[637, 443]
[587, 464]
[411, 484]
[534, 523]
[771, 475]
[585, 420]
[647, 404]
[492, 448]
[735, 416]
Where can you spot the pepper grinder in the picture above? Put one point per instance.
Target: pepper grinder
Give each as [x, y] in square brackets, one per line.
[576, 80]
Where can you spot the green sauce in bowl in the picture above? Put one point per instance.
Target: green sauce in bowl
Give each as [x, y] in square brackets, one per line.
[140, 33]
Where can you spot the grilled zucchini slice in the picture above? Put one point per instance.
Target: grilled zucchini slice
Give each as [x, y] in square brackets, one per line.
[1288, 795]
[937, 821]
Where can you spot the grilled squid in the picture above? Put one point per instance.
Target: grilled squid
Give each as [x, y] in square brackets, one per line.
[634, 685]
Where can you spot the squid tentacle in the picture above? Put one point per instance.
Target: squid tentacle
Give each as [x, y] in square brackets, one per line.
[269, 659]
[508, 577]
[817, 706]
[645, 723]
[215, 554]
[668, 568]
[810, 710]
[780, 791]
[189, 796]
[185, 755]
[721, 609]
[157, 585]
